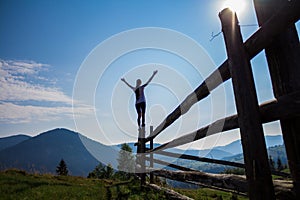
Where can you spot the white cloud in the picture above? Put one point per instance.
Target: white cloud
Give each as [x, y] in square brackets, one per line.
[14, 87]
[22, 67]
[14, 114]
[18, 85]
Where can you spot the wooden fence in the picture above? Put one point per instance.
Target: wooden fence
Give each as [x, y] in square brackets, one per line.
[277, 35]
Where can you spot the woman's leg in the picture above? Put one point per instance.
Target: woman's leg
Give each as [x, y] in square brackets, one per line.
[143, 108]
[139, 113]
[139, 119]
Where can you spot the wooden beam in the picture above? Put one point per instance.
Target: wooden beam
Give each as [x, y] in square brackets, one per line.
[214, 161]
[167, 164]
[284, 66]
[287, 15]
[151, 157]
[284, 107]
[226, 181]
[252, 136]
[201, 159]
[141, 158]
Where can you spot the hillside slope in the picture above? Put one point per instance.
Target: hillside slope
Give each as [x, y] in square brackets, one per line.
[10, 141]
[43, 153]
[15, 184]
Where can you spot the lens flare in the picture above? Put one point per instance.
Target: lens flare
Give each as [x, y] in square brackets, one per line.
[235, 5]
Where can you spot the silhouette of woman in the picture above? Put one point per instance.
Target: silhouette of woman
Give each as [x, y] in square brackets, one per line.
[140, 100]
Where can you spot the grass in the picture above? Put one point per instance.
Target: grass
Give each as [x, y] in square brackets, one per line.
[16, 184]
[209, 194]
[276, 177]
[286, 170]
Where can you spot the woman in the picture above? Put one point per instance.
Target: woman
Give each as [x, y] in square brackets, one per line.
[140, 100]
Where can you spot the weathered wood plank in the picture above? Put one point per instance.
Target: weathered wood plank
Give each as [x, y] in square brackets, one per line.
[141, 161]
[284, 66]
[167, 164]
[214, 161]
[288, 14]
[257, 168]
[226, 181]
[151, 157]
[201, 159]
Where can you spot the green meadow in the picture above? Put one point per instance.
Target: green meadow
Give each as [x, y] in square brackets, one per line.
[17, 184]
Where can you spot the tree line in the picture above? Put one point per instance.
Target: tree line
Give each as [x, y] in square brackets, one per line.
[126, 167]
[278, 166]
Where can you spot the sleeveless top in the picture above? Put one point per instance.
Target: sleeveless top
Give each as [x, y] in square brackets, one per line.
[139, 94]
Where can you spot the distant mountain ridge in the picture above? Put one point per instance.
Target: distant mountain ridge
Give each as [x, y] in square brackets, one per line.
[276, 152]
[42, 153]
[12, 140]
[236, 146]
[220, 152]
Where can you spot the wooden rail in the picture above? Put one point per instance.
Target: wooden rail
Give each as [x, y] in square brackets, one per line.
[167, 164]
[285, 107]
[288, 14]
[201, 159]
[227, 181]
[250, 117]
[284, 66]
[252, 135]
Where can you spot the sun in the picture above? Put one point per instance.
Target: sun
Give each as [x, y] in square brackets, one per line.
[235, 5]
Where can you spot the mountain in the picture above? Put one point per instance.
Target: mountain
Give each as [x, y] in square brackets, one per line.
[215, 153]
[232, 148]
[12, 140]
[236, 147]
[276, 152]
[208, 153]
[232, 151]
[42, 153]
[274, 140]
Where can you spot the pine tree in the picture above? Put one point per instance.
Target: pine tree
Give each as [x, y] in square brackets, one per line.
[279, 165]
[126, 161]
[97, 172]
[62, 169]
[101, 171]
[108, 171]
[272, 163]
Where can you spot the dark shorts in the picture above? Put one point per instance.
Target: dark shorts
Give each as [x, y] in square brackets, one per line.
[140, 107]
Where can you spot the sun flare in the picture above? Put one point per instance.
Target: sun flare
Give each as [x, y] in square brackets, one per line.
[235, 5]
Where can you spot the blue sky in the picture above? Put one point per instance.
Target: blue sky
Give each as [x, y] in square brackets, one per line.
[46, 45]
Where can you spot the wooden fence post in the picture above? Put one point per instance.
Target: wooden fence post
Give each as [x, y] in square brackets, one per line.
[151, 157]
[138, 153]
[142, 155]
[141, 158]
[255, 154]
[283, 57]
